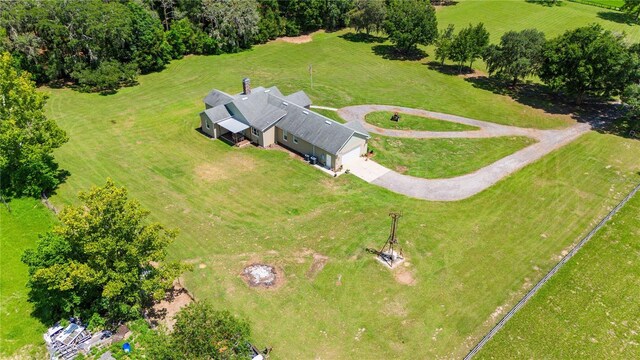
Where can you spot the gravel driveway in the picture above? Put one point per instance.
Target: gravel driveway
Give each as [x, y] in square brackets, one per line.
[460, 187]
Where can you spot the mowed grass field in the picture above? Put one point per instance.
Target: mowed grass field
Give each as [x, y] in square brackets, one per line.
[443, 158]
[500, 16]
[238, 206]
[411, 122]
[19, 230]
[590, 308]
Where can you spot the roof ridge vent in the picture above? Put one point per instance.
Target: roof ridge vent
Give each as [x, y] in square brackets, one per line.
[285, 103]
[327, 122]
[267, 90]
[305, 112]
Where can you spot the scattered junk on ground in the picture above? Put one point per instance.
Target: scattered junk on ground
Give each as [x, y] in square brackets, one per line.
[395, 117]
[260, 275]
[391, 253]
[259, 355]
[67, 342]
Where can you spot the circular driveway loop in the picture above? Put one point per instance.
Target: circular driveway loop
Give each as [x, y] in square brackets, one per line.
[460, 187]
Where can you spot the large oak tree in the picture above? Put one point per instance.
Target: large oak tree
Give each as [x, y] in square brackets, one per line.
[104, 260]
[410, 23]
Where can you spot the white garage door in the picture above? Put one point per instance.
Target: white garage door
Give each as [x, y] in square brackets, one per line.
[350, 156]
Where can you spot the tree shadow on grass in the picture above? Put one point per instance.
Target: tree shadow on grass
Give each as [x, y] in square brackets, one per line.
[362, 38]
[617, 17]
[604, 116]
[390, 52]
[449, 69]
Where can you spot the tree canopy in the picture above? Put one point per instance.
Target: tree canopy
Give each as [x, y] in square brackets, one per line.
[469, 44]
[518, 55]
[632, 7]
[368, 15]
[201, 332]
[27, 137]
[104, 261]
[410, 23]
[588, 61]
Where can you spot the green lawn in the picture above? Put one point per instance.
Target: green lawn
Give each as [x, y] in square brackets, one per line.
[412, 122]
[616, 3]
[18, 231]
[505, 15]
[590, 308]
[235, 206]
[443, 158]
[330, 114]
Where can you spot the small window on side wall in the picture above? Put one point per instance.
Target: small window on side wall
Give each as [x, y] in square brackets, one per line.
[207, 124]
[295, 140]
[285, 136]
[255, 132]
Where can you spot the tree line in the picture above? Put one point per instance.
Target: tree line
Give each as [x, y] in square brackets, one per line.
[101, 45]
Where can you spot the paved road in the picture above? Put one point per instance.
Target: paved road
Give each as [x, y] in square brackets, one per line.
[460, 187]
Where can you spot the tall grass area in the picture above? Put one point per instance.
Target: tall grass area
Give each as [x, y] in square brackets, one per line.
[19, 230]
[590, 308]
[237, 206]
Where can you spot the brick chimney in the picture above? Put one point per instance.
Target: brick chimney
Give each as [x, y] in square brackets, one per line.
[246, 86]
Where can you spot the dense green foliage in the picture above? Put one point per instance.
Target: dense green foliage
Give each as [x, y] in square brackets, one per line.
[631, 97]
[443, 43]
[368, 15]
[410, 23]
[519, 54]
[469, 44]
[103, 262]
[102, 45]
[632, 7]
[27, 137]
[588, 61]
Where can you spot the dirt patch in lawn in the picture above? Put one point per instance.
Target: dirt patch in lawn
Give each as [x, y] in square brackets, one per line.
[263, 276]
[164, 312]
[404, 275]
[319, 261]
[233, 165]
[295, 39]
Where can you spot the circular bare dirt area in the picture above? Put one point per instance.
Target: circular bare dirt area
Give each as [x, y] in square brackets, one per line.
[262, 275]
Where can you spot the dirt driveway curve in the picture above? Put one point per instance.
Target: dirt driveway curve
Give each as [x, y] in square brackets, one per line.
[464, 186]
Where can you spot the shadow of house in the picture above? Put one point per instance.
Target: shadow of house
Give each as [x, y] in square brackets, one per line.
[617, 17]
[362, 38]
[391, 52]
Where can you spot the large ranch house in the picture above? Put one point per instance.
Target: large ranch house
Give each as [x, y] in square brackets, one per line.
[266, 117]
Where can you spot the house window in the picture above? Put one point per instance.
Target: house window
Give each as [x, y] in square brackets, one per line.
[295, 140]
[285, 135]
[254, 131]
[207, 123]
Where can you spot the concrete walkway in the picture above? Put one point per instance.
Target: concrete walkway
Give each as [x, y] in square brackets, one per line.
[460, 187]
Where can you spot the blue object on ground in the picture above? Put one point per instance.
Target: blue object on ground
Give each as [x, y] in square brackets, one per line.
[126, 348]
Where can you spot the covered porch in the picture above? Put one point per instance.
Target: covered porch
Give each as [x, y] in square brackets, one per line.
[232, 131]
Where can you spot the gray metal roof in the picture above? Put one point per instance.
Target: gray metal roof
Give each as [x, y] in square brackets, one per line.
[217, 97]
[233, 125]
[315, 129]
[299, 98]
[217, 113]
[356, 126]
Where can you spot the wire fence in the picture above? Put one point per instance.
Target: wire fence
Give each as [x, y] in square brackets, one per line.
[546, 278]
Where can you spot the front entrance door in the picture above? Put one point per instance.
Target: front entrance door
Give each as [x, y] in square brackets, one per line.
[328, 161]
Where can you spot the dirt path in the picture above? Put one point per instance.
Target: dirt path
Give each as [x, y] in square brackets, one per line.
[460, 187]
